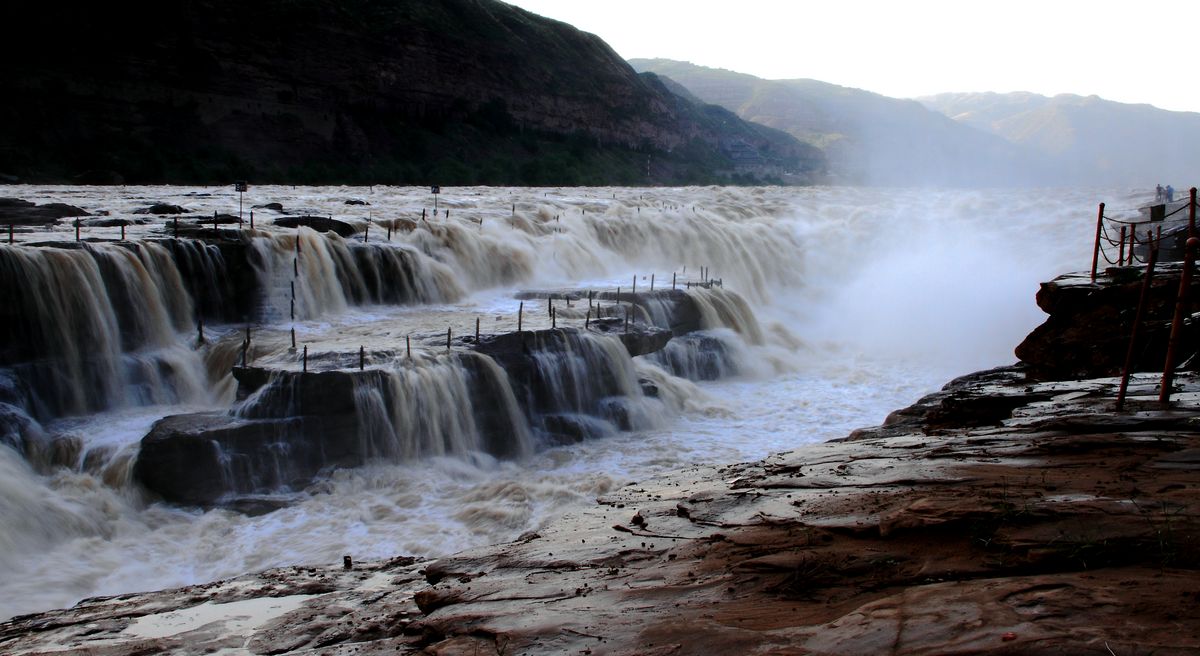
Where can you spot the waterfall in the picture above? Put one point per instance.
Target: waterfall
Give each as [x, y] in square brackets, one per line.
[96, 327]
[327, 274]
[724, 309]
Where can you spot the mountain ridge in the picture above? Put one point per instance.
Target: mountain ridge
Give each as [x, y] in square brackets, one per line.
[868, 138]
[1094, 138]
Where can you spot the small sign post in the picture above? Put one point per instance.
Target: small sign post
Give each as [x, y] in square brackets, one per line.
[435, 190]
[240, 187]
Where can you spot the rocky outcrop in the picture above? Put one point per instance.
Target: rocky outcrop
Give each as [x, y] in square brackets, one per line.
[318, 223]
[1088, 331]
[208, 459]
[294, 426]
[161, 209]
[15, 211]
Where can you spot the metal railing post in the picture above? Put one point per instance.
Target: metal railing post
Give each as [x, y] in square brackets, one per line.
[1192, 213]
[1096, 251]
[1152, 259]
[1181, 302]
[1121, 249]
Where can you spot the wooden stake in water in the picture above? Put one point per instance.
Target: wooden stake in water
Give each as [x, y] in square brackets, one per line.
[626, 320]
[634, 284]
[76, 229]
[447, 340]
[520, 313]
[305, 360]
[408, 345]
[672, 280]
[366, 233]
[476, 330]
[389, 228]
[122, 232]
[587, 319]
[652, 282]
[293, 337]
[10, 234]
[251, 219]
[199, 330]
[553, 318]
[362, 357]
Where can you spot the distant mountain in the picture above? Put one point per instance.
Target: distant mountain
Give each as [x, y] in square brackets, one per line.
[868, 138]
[404, 91]
[1088, 138]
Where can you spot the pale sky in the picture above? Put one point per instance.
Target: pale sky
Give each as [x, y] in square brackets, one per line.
[1135, 52]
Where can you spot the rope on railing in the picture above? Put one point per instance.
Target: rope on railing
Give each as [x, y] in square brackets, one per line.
[1130, 238]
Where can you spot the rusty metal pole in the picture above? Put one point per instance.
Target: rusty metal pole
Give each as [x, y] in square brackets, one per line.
[1192, 213]
[476, 330]
[305, 361]
[1181, 303]
[1096, 250]
[1151, 260]
[362, 357]
[1121, 249]
[520, 315]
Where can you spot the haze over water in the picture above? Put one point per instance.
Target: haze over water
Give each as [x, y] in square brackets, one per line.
[862, 300]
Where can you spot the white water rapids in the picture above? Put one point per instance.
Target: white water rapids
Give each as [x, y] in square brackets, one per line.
[865, 300]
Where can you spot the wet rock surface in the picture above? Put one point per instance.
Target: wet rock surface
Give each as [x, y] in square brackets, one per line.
[1045, 524]
[318, 223]
[1087, 332]
[16, 211]
[302, 425]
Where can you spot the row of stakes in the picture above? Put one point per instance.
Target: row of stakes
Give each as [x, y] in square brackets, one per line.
[366, 230]
[553, 313]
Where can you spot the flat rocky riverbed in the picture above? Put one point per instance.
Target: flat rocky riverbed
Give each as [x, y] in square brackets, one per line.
[997, 515]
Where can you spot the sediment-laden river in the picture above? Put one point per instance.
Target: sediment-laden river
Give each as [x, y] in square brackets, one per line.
[813, 311]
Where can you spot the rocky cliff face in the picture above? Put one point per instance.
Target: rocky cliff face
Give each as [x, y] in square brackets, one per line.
[403, 91]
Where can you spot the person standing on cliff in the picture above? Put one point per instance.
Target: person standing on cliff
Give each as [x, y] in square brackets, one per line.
[1170, 193]
[1158, 194]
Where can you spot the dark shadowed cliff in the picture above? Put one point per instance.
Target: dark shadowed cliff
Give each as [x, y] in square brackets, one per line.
[404, 91]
